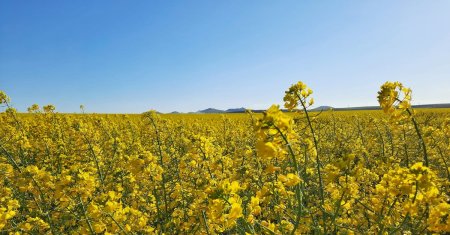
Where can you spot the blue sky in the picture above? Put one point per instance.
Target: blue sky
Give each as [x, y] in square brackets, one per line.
[133, 56]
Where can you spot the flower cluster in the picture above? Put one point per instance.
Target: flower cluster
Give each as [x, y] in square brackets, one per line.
[394, 98]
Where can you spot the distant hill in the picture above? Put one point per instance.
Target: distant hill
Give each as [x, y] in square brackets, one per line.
[234, 110]
[210, 110]
[422, 106]
[356, 108]
[238, 110]
[320, 108]
[445, 105]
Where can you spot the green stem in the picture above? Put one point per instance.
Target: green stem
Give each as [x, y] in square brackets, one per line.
[87, 218]
[419, 134]
[206, 223]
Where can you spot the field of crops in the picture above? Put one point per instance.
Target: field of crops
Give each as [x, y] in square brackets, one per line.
[363, 172]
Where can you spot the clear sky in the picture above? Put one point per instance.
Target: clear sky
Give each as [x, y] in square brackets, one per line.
[133, 56]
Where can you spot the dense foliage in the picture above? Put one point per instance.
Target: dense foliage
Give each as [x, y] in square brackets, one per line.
[276, 173]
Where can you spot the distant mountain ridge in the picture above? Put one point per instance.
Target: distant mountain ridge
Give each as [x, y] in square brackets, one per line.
[213, 110]
[420, 106]
[238, 110]
[210, 110]
[320, 108]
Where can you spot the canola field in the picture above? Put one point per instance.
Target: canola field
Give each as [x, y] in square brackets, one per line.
[354, 172]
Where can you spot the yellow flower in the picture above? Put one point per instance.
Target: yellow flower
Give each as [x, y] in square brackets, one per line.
[26, 226]
[266, 150]
[290, 179]
[99, 227]
[298, 92]
[393, 95]
[235, 211]
[439, 219]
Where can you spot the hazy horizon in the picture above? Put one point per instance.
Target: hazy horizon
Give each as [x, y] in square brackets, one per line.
[130, 57]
